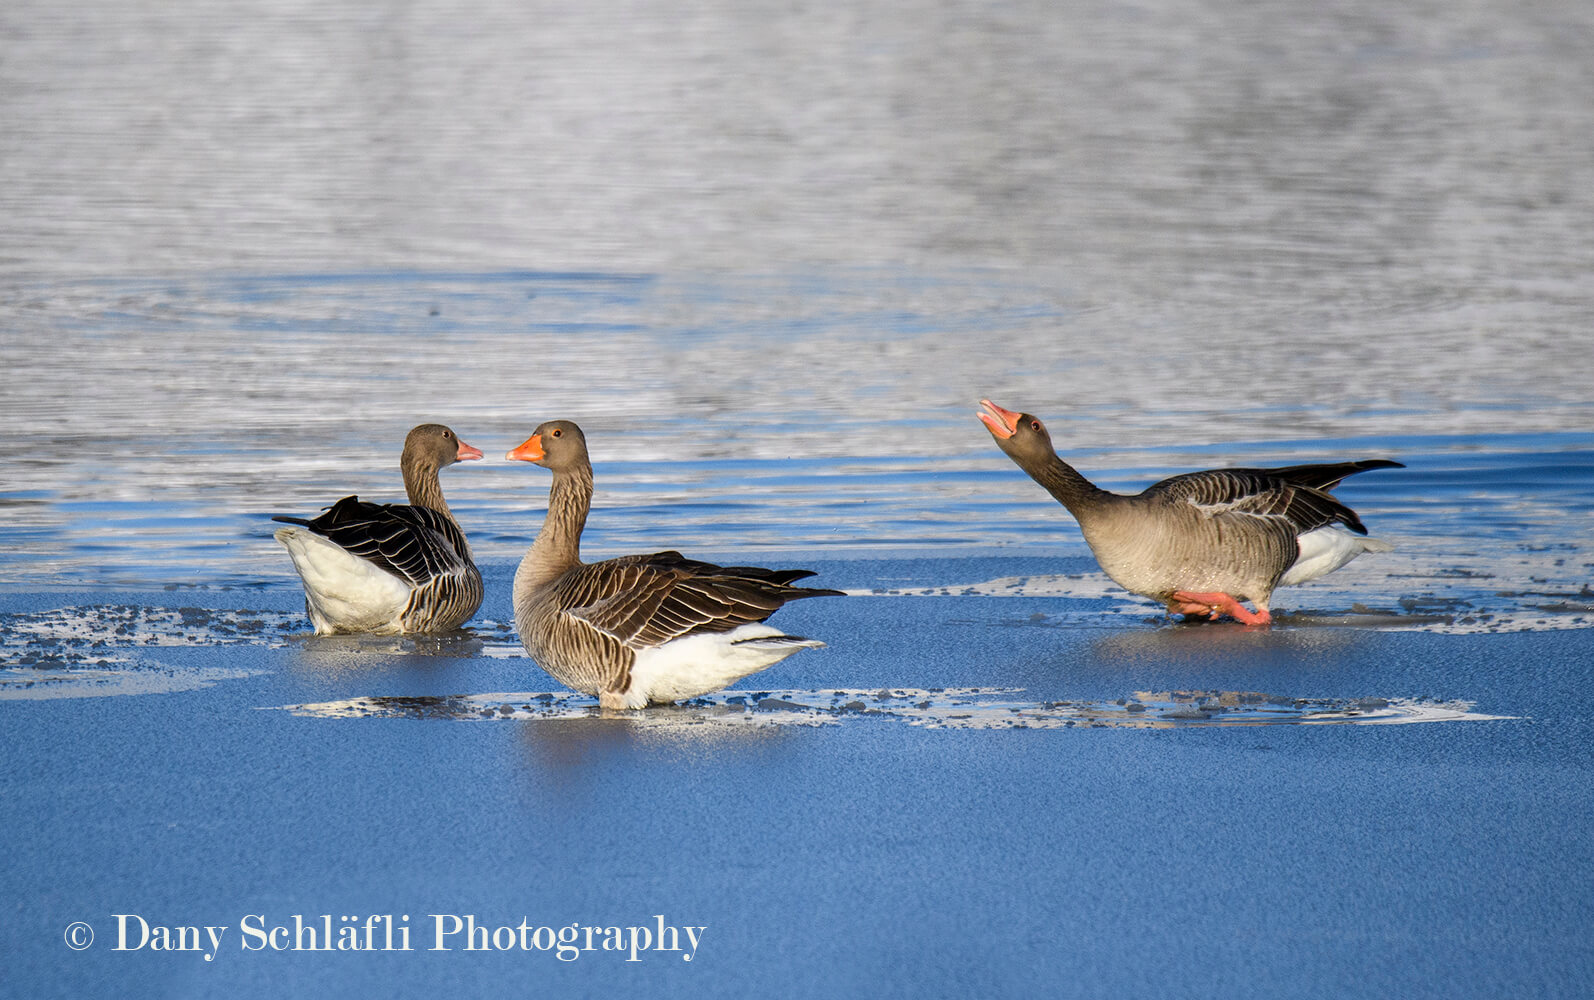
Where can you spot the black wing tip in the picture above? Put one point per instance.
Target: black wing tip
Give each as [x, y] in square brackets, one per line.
[801, 592]
[1321, 476]
[1364, 465]
[1349, 468]
[330, 515]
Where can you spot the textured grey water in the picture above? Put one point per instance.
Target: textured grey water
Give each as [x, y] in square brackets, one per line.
[771, 256]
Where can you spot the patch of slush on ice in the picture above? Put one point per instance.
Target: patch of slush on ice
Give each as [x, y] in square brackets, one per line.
[34, 684]
[96, 650]
[932, 708]
[86, 628]
[1535, 590]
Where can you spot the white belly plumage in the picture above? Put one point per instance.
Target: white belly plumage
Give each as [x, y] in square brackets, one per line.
[699, 664]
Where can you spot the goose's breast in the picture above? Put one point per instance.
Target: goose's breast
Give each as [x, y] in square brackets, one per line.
[1159, 550]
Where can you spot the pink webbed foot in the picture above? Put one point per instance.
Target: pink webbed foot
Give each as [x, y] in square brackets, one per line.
[1215, 606]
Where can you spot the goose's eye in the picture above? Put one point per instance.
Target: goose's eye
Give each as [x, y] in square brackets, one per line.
[1034, 425]
[557, 432]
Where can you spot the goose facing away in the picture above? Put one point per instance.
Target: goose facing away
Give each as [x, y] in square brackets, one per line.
[1202, 542]
[643, 629]
[390, 568]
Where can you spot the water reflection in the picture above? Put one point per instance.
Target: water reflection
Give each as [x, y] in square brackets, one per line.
[579, 747]
[334, 655]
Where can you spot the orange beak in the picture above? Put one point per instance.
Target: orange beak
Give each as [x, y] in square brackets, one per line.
[529, 450]
[467, 453]
[1002, 423]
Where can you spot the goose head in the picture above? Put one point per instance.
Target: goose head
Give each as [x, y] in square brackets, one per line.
[555, 444]
[1021, 435]
[435, 446]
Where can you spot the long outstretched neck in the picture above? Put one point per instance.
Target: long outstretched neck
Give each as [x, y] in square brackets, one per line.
[558, 545]
[1064, 482]
[421, 483]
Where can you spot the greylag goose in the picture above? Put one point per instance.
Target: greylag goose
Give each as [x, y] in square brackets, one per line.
[1205, 541]
[387, 568]
[644, 629]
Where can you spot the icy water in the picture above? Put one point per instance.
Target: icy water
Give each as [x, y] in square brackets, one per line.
[771, 257]
[156, 426]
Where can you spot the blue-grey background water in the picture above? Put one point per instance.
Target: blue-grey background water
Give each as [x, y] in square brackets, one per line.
[771, 256]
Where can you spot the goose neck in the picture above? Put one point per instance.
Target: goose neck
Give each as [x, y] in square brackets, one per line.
[422, 486]
[1065, 484]
[557, 546]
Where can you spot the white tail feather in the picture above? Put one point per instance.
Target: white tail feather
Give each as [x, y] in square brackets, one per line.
[700, 664]
[342, 592]
[1323, 550]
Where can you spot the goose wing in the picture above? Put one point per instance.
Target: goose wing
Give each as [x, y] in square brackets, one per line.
[415, 544]
[1276, 495]
[1324, 476]
[646, 601]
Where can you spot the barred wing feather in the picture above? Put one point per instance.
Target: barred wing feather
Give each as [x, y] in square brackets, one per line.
[646, 601]
[1261, 493]
[415, 544]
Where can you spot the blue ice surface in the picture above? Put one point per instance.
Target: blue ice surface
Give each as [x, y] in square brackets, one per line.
[866, 859]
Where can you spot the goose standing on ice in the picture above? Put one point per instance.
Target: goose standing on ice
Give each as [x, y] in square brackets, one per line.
[389, 568]
[644, 629]
[1205, 541]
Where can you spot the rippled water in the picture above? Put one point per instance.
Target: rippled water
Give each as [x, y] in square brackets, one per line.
[774, 306]
[155, 426]
[771, 257]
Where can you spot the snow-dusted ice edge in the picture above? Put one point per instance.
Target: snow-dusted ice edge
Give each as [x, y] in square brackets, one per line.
[933, 708]
[1409, 595]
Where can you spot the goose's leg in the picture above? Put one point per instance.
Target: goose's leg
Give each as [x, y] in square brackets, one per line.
[1214, 606]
